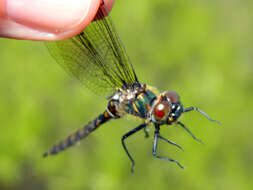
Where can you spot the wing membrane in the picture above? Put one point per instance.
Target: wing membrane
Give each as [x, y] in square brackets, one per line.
[96, 57]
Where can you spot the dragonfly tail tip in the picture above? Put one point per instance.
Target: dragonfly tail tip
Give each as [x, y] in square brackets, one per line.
[45, 154]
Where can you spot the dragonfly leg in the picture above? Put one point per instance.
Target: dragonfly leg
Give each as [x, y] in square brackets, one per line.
[146, 131]
[157, 134]
[170, 142]
[202, 112]
[126, 136]
[188, 131]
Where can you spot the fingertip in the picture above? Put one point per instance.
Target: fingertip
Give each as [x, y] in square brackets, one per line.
[76, 26]
[48, 22]
[2, 9]
[84, 21]
[108, 4]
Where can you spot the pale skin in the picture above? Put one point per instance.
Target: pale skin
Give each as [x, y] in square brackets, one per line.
[46, 20]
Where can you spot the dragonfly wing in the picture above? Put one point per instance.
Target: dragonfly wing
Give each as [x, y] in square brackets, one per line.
[96, 57]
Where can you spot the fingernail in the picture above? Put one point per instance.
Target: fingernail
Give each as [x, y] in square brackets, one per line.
[52, 16]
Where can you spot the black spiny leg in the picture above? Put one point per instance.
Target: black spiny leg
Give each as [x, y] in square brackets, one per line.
[203, 113]
[124, 146]
[157, 135]
[188, 130]
[146, 131]
[170, 142]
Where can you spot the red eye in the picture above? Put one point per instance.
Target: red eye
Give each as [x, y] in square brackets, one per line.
[161, 110]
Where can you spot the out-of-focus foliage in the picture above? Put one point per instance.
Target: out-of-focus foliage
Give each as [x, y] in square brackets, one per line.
[203, 49]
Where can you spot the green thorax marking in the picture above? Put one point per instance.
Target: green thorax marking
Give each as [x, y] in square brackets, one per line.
[141, 106]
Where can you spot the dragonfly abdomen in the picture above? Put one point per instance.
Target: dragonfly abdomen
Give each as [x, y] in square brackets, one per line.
[79, 134]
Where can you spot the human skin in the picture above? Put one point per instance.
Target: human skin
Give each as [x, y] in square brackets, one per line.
[47, 20]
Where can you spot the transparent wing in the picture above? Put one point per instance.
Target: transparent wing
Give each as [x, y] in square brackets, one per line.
[96, 57]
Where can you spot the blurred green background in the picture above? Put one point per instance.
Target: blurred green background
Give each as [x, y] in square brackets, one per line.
[201, 48]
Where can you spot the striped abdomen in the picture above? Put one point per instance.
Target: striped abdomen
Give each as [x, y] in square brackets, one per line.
[79, 134]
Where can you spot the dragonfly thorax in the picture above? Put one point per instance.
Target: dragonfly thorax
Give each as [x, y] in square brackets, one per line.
[136, 100]
[145, 103]
[123, 96]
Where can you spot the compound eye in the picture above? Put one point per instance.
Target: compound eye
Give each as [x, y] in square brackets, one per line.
[172, 96]
[161, 110]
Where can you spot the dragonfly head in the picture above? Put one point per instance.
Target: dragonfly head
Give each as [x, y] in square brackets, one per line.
[167, 109]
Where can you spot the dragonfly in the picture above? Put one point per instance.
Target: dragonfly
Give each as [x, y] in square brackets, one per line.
[98, 59]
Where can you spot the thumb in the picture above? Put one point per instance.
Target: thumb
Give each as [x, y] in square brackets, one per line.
[46, 19]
